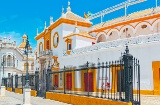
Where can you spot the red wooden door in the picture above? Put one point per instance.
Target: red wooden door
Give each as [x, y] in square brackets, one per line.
[69, 81]
[47, 44]
[56, 80]
[88, 80]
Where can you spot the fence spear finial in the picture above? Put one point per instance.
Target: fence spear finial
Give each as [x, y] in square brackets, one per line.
[127, 50]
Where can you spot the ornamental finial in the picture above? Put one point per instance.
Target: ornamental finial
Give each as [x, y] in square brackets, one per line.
[127, 50]
[51, 20]
[69, 3]
[69, 8]
[45, 25]
[62, 10]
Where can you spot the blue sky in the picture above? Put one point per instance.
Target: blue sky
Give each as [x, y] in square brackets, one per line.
[19, 16]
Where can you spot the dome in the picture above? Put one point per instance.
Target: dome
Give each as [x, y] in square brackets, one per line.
[24, 36]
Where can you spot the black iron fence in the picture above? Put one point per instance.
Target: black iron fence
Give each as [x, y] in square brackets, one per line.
[116, 80]
[17, 81]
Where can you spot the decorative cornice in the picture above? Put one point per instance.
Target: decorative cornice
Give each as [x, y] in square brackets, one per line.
[60, 21]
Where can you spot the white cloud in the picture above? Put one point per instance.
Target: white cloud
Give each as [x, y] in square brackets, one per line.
[14, 37]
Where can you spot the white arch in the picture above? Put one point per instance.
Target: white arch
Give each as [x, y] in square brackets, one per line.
[143, 23]
[127, 26]
[155, 23]
[99, 34]
[112, 31]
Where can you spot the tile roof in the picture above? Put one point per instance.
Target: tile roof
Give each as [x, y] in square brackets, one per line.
[81, 33]
[72, 16]
[135, 15]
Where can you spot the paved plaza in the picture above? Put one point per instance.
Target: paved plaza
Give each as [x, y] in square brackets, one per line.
[17, 99]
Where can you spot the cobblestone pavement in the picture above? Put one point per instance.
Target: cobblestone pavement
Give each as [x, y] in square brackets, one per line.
[150, 100]
[17, 99]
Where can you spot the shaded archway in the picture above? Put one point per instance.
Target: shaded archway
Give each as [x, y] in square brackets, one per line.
[101, 38]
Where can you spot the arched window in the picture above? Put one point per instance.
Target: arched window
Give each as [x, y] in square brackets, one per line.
[9, 61]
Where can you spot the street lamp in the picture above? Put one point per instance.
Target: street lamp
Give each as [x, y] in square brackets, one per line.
[26, 51]
[3, 71]
[26, 92]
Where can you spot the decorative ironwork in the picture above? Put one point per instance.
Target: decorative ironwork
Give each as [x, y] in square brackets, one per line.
[143, 39]
[45, 53]
[27, 50]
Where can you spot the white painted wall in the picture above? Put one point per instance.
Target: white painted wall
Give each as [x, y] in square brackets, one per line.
[146, 53]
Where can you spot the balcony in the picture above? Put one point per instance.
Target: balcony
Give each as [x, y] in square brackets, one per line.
[46, 53]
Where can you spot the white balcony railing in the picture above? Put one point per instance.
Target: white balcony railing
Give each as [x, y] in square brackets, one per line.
[142, 39]
[45, 53]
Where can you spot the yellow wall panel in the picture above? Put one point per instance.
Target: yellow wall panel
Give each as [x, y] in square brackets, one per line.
[81, 100]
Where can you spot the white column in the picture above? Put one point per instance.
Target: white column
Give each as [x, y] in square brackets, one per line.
[2, 91]
[26, 96]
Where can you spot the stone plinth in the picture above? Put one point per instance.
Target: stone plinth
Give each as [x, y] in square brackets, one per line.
[2, 91]
[26, 96]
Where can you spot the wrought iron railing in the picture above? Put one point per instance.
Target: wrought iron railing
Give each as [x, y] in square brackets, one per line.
[45, 53]
[117, 80]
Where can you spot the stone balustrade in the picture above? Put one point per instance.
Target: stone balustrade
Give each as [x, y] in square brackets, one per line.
[142, 39]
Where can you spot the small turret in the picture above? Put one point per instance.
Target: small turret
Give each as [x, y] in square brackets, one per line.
[63, 15]
[51, 20]
[24, 37]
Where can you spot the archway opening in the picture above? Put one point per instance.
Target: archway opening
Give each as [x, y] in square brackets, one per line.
[101, 38]
[126, 33]
[112, 36]
[143, 29]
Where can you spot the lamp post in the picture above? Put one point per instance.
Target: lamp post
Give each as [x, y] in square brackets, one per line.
[26, 91]
[3, 71]
[26, 52]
